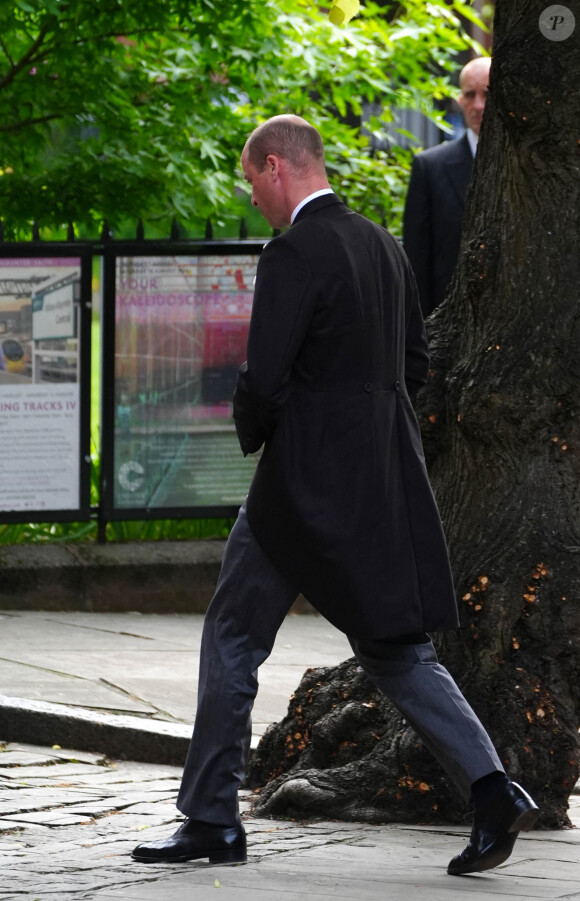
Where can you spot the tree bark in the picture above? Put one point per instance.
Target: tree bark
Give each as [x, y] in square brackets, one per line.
[502, 437]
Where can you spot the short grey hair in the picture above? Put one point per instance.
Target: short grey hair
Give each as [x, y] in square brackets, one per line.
[289, 137]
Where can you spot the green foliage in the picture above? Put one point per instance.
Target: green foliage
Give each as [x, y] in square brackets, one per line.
[27, 533]
[127, 109]
[169, 529]
[146, 530]
[120, 109]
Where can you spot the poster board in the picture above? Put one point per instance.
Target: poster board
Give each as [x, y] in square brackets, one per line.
[44, 384]
[175, 334]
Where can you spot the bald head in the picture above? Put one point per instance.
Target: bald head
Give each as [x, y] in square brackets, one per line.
[291, 138]
[473, 83]
[475, 68]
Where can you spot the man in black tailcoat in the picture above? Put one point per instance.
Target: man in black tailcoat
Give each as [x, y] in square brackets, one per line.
[340, 507]
[439, 179]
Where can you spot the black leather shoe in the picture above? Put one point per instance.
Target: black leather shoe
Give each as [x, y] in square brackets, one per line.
[195, 840]
[495, 829]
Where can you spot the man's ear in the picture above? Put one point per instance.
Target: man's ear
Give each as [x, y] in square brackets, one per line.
[273, 165]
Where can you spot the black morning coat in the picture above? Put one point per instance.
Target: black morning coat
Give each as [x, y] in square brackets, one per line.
[340, 501]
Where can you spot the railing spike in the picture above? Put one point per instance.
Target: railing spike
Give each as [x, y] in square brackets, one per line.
[208, 230]
[140, 234]
[243, 230]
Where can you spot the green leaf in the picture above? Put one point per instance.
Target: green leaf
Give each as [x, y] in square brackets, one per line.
[470, 14]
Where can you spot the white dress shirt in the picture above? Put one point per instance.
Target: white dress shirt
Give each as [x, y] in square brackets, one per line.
[307, 200]
[473, 139]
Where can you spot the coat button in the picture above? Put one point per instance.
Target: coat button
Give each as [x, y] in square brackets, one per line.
[397, 385]
[369, 387]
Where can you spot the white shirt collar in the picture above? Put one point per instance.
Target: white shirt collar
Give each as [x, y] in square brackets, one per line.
[473, 139]
[307, 200]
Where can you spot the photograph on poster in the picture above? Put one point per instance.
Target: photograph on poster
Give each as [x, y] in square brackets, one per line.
[39, 383]
[181, 329]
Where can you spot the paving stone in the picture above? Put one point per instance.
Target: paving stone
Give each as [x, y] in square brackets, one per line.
[145, 787]
[11, 846]
[7, 825]
[92, 809]
[127, 800]
[75, 756]
[55, 770]
[24, 758]
[144, 808]
[110, 783]
[40, 683]
[36, 783]
[51, 818]
[38, 800]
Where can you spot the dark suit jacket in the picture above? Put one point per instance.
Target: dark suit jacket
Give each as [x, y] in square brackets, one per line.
[434, 215]
[340, 501]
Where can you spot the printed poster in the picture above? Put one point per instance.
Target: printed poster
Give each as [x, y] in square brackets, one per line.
[181, 329]
[39, 384]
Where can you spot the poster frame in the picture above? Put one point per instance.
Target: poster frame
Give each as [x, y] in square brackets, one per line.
[110, 253]
[84, 252]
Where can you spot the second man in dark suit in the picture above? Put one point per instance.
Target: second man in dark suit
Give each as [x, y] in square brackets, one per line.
[439, 178]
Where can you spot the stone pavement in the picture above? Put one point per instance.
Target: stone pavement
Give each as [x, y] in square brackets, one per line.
[124, 684]
[69, 818]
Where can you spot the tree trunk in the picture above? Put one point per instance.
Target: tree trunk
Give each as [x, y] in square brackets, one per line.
[502, 437]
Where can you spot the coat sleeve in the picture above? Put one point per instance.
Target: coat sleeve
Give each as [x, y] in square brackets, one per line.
[281, 312]
[417, 228]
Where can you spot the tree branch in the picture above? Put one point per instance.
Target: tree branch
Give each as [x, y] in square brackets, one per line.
[6, 51]
[26, 123]
[28, 56]
[38, 51]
